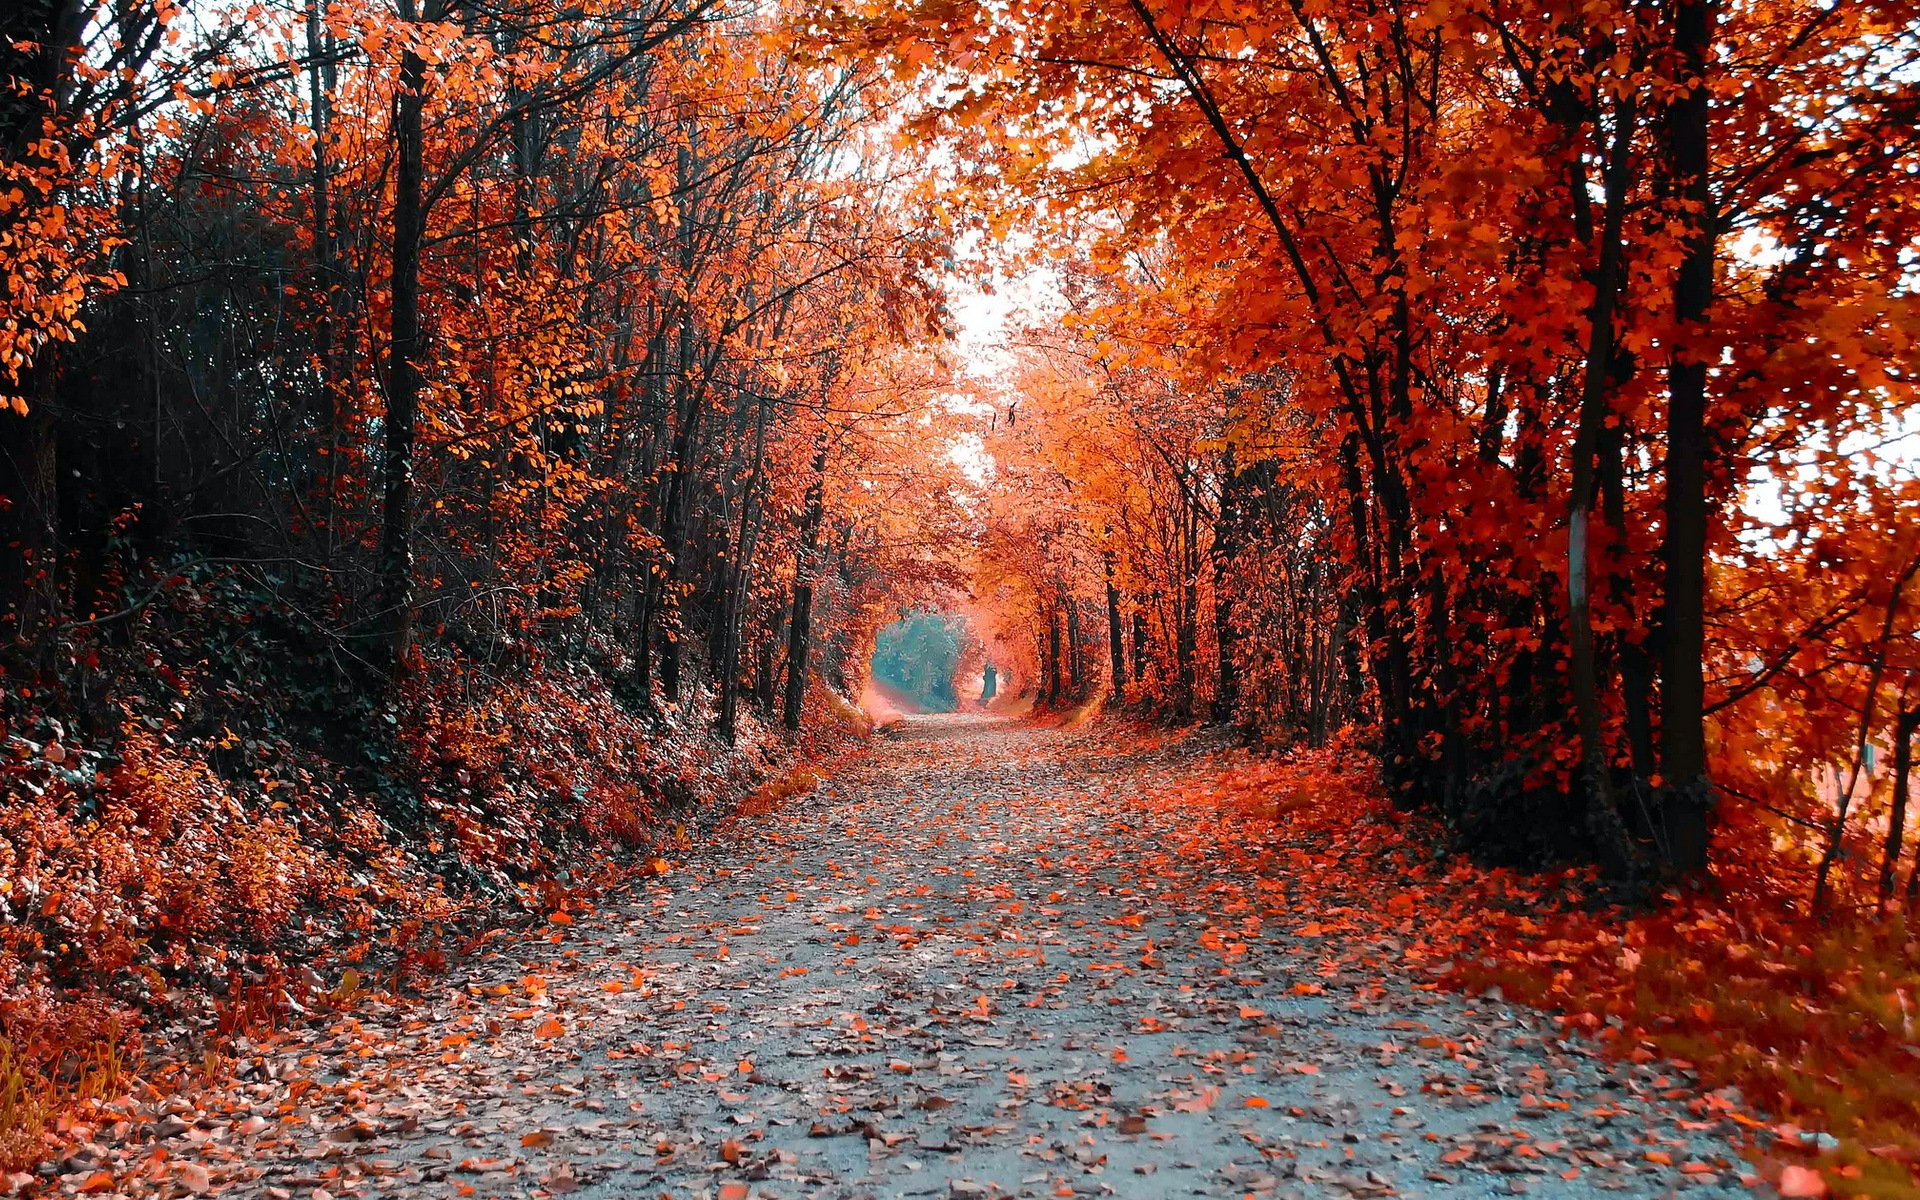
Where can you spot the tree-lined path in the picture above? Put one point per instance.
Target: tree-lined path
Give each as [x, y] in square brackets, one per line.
[987, 958]
[446, 444]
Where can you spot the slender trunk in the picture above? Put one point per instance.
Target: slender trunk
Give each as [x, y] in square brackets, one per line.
[766, 674]
[1637, 683]
[1139, 645]
[1389, 695]
[804, 567]
[1076, 657]
[1595, 762]
[320, 80]
[685, 446]
[1904, 727]
[403, 367]
[28, 524]
[1687, 808]
[1187, 617]
[651, 572]
[1836, 832]
[763, 673]
[739, 572]
[38, 39]
[1040, 661]
[1115, 649]
[1226, 548]
[1054, 689]
[674, 526]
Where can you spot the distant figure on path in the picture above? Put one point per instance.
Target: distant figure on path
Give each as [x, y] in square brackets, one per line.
[993, 683]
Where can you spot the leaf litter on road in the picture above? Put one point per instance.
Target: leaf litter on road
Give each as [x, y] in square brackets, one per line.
[982, 961]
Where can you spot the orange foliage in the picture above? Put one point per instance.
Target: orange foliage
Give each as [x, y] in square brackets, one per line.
[1813, 1021]
[1508, 409]
[1514, 384]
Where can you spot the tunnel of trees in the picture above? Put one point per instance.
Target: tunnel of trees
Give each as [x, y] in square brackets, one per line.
[918, 656]
[438, 437]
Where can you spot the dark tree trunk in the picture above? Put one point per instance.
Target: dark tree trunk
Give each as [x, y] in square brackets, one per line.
[738, 572]
[395, 590]
[321, 78]
[1117, 662]
[765, 677]
[1187, 619]
[1040, 662]
[650, 573]
[1905, 725]
[1076, 655]
[1595, 411]
[38, 39]
[29, 533]
[1687, 808]
[1139, 645]
[803, 576]
[1053, 657]
[1226, 548]
[685, 447]
[668, 615]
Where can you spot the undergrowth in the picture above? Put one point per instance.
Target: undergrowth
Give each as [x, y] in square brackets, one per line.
[1816, 1021]
[205, 834]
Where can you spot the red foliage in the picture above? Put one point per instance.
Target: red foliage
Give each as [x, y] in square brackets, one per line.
[152, 876]
[1813, 1021]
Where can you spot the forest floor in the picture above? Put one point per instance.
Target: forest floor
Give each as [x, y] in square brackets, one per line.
[986, 958]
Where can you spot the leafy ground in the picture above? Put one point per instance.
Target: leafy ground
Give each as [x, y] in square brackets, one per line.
[987, 958]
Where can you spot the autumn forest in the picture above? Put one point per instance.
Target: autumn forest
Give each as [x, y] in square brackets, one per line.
[920, 597]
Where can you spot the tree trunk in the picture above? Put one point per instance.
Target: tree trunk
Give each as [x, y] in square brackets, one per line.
[1054, 689]
[1040, 662]
[803, 575]
[1076, 658]
[320, 84]
[650, 573]
[685, 446]
[1226, 548]
[37, 43]
[1186, 618]
[764, 675]
[1687, 807]
[1595, 410]
[1836, 832]
[1905, 725]
[739, 576]
[395, 589]
[29, 533]
[1115, 650]
[1139, 645]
